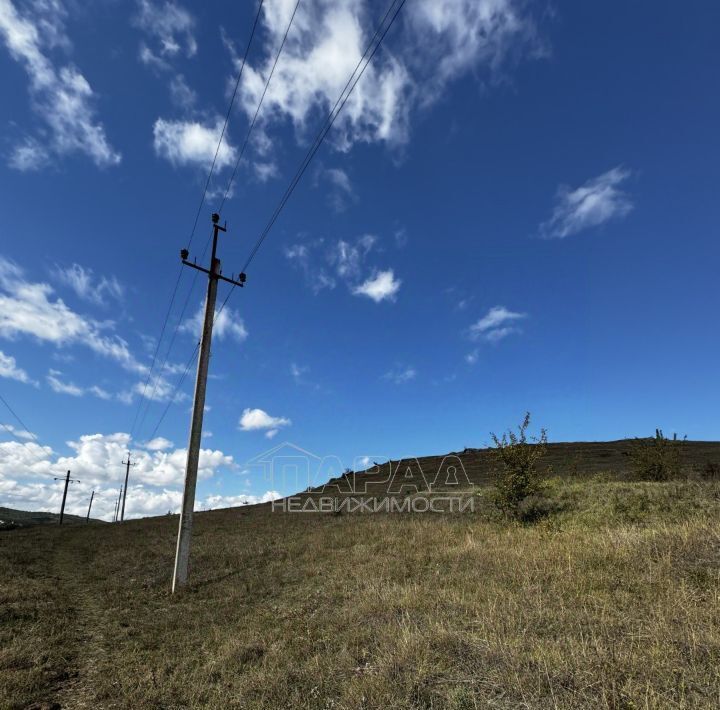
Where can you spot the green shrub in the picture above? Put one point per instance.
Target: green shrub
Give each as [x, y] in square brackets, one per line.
[657, 458]
[517, 477]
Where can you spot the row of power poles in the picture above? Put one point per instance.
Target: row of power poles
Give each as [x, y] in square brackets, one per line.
[119, 514]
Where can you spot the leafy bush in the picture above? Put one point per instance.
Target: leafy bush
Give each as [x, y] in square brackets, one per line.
[657, 458]
[518, 478]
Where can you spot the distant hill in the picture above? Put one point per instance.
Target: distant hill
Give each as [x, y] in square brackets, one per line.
[11, 519]
[567, 459]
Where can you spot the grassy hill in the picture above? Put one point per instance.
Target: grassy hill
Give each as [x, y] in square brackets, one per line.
[612, 602]
[11, 519]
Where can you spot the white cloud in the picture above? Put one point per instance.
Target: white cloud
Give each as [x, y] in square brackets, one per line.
[382, 286]
[259, 420]
[83, 282]
[472, 357]
[495, 325]
[26, 471]
[435, 42]
[27, 308]
[159, 443]
[9, 369]
[448, 38]
[170, 27]
[159, 389]
[60, 387]
[341, 191]
[400, 375]
[227, 323]
[265, 171]
[192, 143]
[322, 50]
[62, 97]
[63, 387]
[29, 155]
[344, 260]
[594, 203]
[96, 459]
[316, 276]
[18, 433]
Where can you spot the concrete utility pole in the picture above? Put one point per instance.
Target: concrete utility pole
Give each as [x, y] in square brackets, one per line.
[182, 553]
[67, 480]
[117, 505]
[127, 473]
[92, 495]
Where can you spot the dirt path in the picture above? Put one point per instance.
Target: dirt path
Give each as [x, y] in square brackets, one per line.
[87, 616]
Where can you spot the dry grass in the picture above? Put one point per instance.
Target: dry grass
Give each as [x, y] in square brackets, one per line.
[612, 603]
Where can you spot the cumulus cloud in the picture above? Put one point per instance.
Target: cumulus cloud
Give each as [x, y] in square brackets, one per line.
[192, 143]
[27, 470]
[597, 201]
[84, 283]
[159, 443]
[495, 325]
[29, 308]
[9, 369]
[435, 42]
[227, 323]
[61, 96]
[380, 287]
[260, 420]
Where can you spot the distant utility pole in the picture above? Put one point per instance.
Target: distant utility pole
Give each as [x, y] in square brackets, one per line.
[117, 505]
[182, 553]
[127, 473]
[67, 480]
[92, 495]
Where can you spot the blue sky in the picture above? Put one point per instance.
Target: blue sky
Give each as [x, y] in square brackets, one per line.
[515, 211]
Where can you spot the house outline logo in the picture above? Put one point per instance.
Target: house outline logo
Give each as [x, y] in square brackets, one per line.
[278, 467]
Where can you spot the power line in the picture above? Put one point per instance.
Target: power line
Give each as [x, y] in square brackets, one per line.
[227, 120]
[257, 110]
[17, 418]
[34, 439]
[155, 354]
[175, 390]
[192, 234]
[328, 124]
[225, 196]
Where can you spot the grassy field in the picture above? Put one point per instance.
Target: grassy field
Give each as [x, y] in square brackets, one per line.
[613, 602]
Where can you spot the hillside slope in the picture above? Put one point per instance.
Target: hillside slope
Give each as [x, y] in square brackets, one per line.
[564, 459]
[613, 602]
[10, 518]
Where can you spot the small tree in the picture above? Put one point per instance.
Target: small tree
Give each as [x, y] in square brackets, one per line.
[657, 458]
[518, 477]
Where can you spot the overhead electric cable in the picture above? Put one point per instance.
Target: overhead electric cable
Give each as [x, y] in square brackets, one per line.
[325, 127]
[175, 391]
[257, 110]
[142, 399]
[224, 199]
